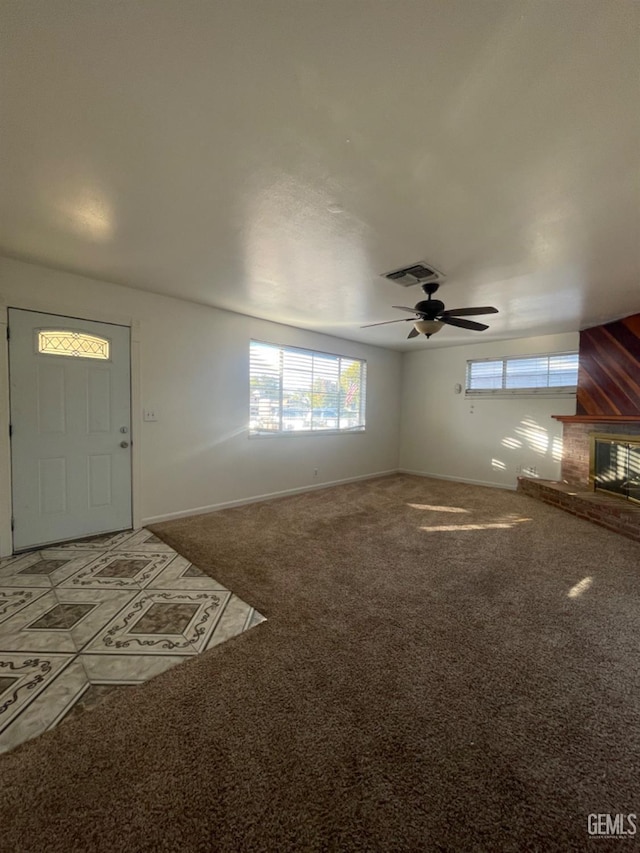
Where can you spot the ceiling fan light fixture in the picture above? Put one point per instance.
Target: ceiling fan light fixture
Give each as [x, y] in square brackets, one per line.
[428, 327]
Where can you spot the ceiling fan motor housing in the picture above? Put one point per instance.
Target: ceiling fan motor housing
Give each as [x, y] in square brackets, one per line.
[430, 308]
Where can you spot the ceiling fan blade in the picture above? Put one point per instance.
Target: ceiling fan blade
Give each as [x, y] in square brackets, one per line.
[468, 312]
[413, 333]
[404, 308]
[386, 322]
[463, 324]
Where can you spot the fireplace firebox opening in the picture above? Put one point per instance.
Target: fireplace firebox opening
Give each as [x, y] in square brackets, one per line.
[615, 465]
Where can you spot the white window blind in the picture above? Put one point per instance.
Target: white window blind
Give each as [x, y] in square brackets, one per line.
[299, 390]
[554, 373]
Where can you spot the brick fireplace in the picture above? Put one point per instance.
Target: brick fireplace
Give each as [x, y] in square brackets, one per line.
[577, 443]
[608, 403]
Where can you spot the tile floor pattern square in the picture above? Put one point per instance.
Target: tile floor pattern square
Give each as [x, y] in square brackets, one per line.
[82, 620]
[61, 616]
[165, 619]
[45, 567]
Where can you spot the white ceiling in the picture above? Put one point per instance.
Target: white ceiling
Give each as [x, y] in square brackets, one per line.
[198, 148]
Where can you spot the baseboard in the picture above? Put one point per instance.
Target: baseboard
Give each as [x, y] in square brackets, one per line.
[201, 510]
[458, 479]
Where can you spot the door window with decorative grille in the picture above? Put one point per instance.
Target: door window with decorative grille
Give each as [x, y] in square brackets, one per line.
[72, 343]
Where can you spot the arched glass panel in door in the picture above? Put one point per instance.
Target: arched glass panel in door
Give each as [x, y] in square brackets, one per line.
[75, 344]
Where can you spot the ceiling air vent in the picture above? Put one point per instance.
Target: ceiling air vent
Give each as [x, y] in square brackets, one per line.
[416, 273]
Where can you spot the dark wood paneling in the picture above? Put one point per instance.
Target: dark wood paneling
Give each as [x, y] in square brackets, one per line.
[609, 375]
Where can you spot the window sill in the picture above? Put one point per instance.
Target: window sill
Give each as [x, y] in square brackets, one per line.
[522, 392]
[305, 433]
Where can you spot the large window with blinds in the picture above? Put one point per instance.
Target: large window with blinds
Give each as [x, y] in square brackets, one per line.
[554, 373]
[303, 391]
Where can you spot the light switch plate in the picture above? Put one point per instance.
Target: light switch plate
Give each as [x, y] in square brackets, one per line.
[149, 415]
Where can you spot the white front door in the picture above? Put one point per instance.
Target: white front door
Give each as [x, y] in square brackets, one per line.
[70, 427]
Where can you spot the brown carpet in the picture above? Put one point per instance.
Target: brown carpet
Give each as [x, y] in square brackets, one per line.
[424, 682]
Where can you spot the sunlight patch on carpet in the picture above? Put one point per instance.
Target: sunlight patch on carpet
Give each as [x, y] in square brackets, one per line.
[582, 586]
[438, 508]
[493, 525]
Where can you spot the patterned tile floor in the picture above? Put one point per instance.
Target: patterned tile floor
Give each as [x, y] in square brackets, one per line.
[78, 621]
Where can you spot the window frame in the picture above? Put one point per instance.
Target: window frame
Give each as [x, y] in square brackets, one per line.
[280, 432]
[527, 391]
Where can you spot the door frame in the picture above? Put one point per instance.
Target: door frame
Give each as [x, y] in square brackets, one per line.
[62, 309]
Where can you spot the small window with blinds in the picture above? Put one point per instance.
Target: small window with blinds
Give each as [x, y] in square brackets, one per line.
[303, 391]
[554, 373]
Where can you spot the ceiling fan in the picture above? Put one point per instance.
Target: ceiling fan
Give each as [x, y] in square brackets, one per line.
[430, 315]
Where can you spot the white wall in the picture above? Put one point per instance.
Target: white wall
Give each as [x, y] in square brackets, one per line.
[447, 435]
[193, 366]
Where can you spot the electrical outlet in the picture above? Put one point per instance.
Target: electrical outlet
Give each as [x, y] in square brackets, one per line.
[149, 415]
[315, 472]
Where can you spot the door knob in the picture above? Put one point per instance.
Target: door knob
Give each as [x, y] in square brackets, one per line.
[124, 444]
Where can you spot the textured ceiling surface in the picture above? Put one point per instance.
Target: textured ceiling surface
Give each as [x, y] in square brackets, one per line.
[273, 158]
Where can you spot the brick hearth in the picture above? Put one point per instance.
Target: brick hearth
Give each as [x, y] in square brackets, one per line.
[613, 513]
[575, 493]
